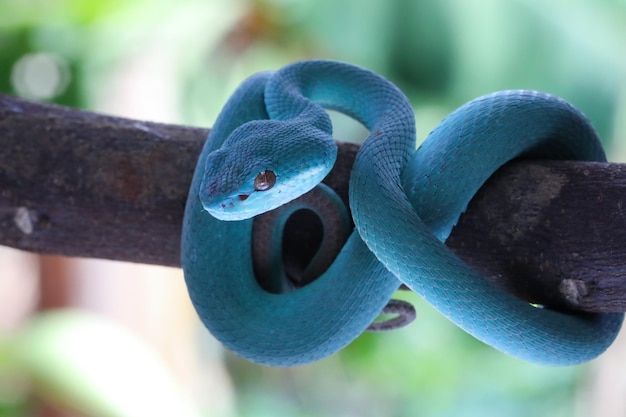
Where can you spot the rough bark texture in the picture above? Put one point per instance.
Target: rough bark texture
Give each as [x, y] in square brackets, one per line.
[81, 184]
[551, 232]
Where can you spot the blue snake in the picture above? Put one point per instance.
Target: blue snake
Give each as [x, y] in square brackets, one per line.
[273, 142]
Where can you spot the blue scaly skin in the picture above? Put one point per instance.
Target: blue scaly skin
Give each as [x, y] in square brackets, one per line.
[273, 142]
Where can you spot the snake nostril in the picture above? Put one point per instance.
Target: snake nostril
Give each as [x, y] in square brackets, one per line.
[227, 204]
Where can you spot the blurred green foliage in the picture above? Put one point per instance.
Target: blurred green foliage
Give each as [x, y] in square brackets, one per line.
[86, 363]
[442, 53]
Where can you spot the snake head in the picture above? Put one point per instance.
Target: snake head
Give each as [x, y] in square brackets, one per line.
[263, 165]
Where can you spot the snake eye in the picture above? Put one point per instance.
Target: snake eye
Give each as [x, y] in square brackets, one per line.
[264, 180]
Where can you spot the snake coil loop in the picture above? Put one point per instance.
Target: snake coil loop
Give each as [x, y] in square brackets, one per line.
[404, 204]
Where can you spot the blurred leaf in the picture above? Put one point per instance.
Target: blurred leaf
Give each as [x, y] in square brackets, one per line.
[89, 364]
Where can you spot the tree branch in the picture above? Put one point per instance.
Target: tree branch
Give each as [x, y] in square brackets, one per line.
[76, 183]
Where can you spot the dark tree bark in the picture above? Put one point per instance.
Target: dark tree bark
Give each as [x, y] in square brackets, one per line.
[76, 183]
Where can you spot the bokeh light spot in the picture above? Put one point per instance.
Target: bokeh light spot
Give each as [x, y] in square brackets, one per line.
[40, 76]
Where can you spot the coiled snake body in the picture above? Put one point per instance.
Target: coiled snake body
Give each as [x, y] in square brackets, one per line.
[273, 142]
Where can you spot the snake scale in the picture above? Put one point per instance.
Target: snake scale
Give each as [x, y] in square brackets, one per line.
[273, 142]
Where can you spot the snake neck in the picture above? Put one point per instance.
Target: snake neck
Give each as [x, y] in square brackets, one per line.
[356, 92]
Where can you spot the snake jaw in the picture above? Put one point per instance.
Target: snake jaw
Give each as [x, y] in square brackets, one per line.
[237, 204]
[232, 207]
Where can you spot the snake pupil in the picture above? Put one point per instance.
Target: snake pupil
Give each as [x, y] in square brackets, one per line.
[264, 180]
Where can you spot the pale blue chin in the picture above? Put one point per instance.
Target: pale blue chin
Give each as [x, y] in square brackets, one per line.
[234, 208]
[230, 213]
